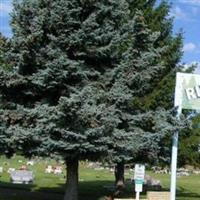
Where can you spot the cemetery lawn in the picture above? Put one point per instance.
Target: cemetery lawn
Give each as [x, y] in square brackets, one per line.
[93, 185]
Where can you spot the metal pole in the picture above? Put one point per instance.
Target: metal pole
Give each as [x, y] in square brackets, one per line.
[174, 161]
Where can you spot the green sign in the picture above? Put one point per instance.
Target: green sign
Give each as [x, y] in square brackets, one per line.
[139, 181]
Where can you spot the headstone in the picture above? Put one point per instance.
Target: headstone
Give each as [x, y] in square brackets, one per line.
[23, 167]
[21, 176]
[152, 184]
[11, 170]
[58, 170]
[158, 195]
[30, 162]
[49, 169]
[1, 169]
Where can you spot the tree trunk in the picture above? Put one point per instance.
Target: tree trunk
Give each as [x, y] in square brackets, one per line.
[72, 180]
[119, 176]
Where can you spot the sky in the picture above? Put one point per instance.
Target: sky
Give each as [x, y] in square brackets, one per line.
[186, 15]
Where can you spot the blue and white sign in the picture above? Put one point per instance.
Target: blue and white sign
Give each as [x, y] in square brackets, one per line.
[139, 179]
[139, 172]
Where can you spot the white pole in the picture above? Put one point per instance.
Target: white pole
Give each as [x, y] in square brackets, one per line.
[174, 166]
[137, 195]
[174, 161]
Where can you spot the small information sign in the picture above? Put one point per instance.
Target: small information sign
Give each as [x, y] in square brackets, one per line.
[138, 187]
[139, 179]
[139, 172]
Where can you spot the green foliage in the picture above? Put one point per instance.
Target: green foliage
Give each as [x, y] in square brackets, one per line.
[54, 104]
[4, 46]
[79, 65]
[161, 96]
[189, 145]
[162, 87]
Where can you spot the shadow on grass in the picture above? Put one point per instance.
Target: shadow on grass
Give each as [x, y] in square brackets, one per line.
[183, 193]
[88, 190]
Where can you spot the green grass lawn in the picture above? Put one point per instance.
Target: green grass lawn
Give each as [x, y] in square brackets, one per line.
[91, 187]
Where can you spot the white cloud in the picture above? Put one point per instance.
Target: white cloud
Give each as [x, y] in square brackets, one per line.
[178, 13]
[189, 47]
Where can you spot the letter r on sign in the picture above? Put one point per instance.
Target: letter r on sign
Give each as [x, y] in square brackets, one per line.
[191, 93]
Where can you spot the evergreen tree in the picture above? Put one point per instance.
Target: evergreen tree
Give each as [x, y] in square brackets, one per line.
[4, 46]
[78, 66]
[160, 92]
[189, 150]
[6, 66]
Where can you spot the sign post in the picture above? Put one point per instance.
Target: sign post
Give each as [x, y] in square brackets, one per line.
[174, 161]
[139, 179]
[187, 96]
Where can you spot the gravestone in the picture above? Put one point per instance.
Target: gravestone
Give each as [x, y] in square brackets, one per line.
[21, 176]
[158, 195]
[1, 169]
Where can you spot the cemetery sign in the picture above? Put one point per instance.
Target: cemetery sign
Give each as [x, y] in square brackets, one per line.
[187, 96]
[187, 91]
